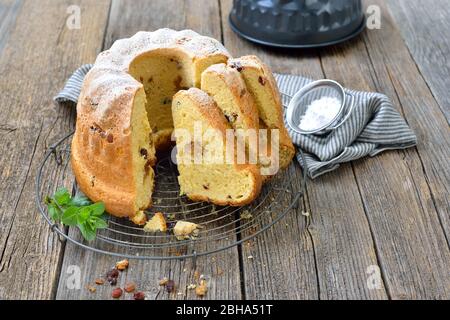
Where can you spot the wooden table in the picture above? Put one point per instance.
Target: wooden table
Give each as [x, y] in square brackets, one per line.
[391, 211]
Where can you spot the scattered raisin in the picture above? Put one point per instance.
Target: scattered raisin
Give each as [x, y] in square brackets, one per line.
[237, 65]
[139, 296]
[110, 138]
[144, 153]
[206, 186]
[116, 293]
[170, 286]
[262, 81]
[130, 287]
[229, 197]
[112, 276]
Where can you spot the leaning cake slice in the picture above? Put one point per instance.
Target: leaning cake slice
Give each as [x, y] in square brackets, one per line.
[263, 88]
[208, 170]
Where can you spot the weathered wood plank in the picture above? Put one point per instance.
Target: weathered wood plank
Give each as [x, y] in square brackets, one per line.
[393, 186]
[425, 26]
[423, 114]
[336, 237]
[222, 269]
[8, 14]
[38, 55]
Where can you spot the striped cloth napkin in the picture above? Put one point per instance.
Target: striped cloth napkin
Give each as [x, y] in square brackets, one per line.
[374, 126]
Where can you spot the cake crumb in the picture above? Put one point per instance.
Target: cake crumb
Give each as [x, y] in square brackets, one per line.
[185, 230]
[156, 223]
[201, 289]
[122, 265]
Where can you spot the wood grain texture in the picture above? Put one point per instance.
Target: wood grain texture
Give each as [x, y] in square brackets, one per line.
[399, 206]
[38, 55]
[425, 27]
[336, 237]
[222, 269]
[9, 10]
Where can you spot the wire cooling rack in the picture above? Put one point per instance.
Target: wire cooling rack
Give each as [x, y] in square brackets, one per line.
[222, 227]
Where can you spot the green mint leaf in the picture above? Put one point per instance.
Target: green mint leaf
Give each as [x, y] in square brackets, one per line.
[54, 212]
[80, 201]
[83, 215]
[77, 211]
[98, 223]
[87, 232]
[62, 196]
[97, 209]
[69, 217]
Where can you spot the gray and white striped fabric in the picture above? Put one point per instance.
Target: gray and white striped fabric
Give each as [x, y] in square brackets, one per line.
[374, 126]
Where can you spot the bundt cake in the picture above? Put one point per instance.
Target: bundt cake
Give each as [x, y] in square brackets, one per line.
[125, 114]
[129, 87]
[263, 88]
[223, 182]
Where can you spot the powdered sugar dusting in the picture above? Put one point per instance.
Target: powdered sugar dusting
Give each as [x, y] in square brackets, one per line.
[320, 113]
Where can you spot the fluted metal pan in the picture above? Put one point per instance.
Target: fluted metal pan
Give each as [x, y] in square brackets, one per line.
[297, 23]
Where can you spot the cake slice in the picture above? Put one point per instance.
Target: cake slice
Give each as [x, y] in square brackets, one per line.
[113, 160]
[227, 88]
[261, 84]
[200, 132]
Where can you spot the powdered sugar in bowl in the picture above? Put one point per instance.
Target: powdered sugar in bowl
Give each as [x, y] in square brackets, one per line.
[319, 108]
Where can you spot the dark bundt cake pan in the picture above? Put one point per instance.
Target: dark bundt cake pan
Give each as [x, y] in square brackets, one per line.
[297, 23]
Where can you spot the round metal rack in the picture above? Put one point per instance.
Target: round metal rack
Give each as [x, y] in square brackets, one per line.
[222, 227]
